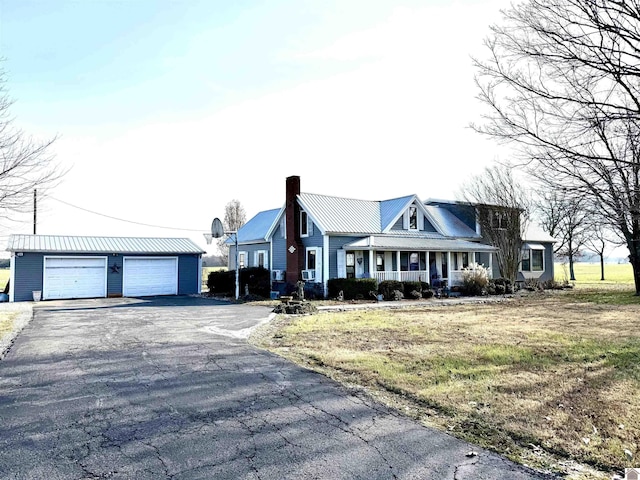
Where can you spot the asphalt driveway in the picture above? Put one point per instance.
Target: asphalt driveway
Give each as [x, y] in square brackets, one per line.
[168, 388]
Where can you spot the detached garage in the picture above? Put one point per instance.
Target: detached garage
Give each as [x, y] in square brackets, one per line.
[63, 267]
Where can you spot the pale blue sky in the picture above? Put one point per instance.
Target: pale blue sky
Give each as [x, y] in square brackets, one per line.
[166, 110]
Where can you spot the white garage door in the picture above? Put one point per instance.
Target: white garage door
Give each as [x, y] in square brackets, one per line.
[146, 276]
[74, 277]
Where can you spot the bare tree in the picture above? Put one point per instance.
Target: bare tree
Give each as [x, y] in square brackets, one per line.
[234, 218]
[25, 164]
[502, 208]
[561, 85]
[566, 218]
[598, 242]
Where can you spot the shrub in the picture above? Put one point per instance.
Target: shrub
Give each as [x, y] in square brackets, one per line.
[409, 287]
[503, 285]
[396, 295]
[221, 282]
[388, 287]
[475, 279]
[532, 284]
[256, 278]
[352, 288]
[428, 293]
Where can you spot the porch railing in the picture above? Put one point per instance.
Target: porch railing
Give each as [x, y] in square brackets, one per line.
[455, 276]
[412, 276]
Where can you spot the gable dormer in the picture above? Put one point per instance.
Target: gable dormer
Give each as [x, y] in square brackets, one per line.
[413, 218]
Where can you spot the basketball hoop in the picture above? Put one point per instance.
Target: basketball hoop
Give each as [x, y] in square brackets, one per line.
[208, 237]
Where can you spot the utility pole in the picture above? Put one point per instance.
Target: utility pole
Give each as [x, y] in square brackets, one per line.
[35, 209]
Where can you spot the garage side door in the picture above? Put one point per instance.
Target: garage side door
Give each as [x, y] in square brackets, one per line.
[148, 276]
[74, 277]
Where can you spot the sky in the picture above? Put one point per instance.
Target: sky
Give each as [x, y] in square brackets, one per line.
[166, 110]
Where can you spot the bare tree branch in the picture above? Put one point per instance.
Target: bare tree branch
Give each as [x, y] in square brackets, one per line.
[25, 164]
[561, 82]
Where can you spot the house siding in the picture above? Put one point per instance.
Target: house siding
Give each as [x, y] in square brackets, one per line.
[335, 244]
[27, 276]
[114, 280]
[250, 249]
[279, 245]
[428, 226]
[188, 274]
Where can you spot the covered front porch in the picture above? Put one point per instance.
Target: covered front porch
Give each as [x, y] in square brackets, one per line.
[415, 259]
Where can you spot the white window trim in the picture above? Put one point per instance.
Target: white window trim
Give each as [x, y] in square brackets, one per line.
[256, 258]
[319, 262]
[246, 258]
[530, 273]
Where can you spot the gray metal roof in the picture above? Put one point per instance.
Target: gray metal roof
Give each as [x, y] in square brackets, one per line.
[388, 242]
[449, 224]
[74, 244]
[342, 215]
[390, 209]
[257, 228]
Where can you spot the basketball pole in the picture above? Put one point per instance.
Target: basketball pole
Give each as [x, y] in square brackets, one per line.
[217, 231]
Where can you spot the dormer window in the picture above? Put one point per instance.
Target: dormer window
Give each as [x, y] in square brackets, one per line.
[413, 218]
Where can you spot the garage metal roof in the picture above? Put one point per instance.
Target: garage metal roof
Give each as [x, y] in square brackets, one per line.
[74, 244]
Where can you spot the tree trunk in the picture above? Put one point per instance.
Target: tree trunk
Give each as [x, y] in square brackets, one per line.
[572, 275]
[602, 267]
[635, 263]
[634, 258]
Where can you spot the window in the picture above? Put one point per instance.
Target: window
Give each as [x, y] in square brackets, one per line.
[242, 259]
[351, 264]
[526, 260]
[414, 261]
[497, 219]
[304, 224]
[465, 259]
[380, 262]
[413, 218]
[260, 259]
[311, 259]
[445, 268]
[537, 260]
[532, 259]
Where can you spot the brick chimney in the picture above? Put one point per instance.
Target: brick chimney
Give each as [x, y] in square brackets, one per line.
[295, 250]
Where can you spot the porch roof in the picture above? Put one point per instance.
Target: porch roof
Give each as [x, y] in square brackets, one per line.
[388, 242]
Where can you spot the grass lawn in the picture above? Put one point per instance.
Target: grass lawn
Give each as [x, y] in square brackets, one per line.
[4, 277]
[589, 273]
[551, 380]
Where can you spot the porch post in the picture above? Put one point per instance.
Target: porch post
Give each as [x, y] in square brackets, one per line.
[373, 268]
[428, 270]
[490, 264]
[398, 265]
[448, 268]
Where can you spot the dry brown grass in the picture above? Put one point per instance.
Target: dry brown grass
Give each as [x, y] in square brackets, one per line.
[547, 380]
[6, 323]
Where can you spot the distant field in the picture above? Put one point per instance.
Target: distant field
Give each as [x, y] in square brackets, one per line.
[589, 273]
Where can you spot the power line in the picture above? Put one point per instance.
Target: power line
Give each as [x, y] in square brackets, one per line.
[199, 230]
